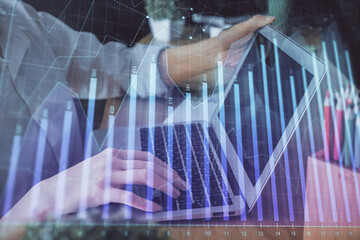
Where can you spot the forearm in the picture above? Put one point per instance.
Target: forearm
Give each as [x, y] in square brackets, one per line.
[26, 211]
[187, 61]
[13, 224]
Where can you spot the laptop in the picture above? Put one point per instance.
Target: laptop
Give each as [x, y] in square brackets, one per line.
[227, 146]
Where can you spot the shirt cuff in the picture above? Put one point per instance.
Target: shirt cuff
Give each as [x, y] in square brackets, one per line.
[148, 57]
[163, 68]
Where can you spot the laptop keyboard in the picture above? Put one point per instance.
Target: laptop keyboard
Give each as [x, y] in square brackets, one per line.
[201, 172]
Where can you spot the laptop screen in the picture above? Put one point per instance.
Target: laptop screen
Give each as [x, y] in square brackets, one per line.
[260, 104]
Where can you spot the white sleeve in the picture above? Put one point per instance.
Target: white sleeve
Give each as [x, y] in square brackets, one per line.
[81, 52]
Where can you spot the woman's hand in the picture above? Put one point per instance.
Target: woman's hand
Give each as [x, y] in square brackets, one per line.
[187, 61]
[227, 37]
[108, 172]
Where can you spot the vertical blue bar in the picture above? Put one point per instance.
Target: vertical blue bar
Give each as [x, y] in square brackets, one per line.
[349, 66]
[87, 149]
[108, 168]
[353, 144]
[131, 135]
[312, 146]
[151, 147]
[255, 142]
[41, 148]
[12, 172]
[90, 112]
[63, 162]
[40, 152]
[337, 61]
[170, 147]
[282, 120]
[321, 112]
[188, 152]
[328, 168]
[222, 136]
[239, 143]
[343, 181]
[269, 134]
[299, 151]
[65, 140]
[206, 147]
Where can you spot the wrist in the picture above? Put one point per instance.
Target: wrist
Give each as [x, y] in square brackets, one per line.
[28, 208]
[45, 204]
[219, 48]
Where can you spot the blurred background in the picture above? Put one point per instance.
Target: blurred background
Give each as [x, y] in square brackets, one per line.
[125, 20]
[307, 22]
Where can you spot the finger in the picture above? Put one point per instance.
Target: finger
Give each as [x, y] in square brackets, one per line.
[166, 173]
[256, 22]
[128, 164]
[144, 177]
[143, 156]
[245, 28]
[114, 152]
[134, 155]
[131, 199]
[175, 179]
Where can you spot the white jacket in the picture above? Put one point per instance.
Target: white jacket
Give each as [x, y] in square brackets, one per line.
[45, 64]
[41, 51]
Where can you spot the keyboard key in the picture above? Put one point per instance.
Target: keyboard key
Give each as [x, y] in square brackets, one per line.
[182, 206]
[199, 202]
[182, 200]
[157, 200]
[214, 188]
[229, 201]
[159, 144]
[168, 203]
[216, 200]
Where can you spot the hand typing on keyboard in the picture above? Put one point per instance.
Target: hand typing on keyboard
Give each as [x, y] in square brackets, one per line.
[107, 172]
